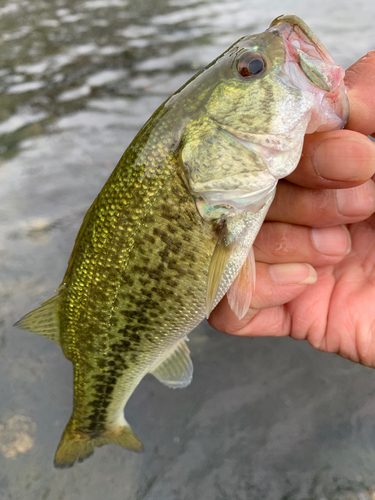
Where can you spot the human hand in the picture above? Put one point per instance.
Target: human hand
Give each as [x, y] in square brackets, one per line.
[315, 254]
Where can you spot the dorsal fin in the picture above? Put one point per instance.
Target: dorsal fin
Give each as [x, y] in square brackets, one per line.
[43, 321]
[175, 369]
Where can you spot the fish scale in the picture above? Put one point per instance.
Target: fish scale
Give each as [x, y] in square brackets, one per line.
[148, 301]
[172, 229]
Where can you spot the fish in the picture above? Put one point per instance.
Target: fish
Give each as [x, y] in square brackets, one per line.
[171, 231]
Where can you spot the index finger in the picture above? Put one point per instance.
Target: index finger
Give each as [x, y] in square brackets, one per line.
[334, 160]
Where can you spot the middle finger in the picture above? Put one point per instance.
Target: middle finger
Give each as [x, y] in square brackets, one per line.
[322, 207]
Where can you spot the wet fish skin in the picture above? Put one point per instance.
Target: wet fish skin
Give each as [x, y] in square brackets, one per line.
[133, 287]
[136, 282]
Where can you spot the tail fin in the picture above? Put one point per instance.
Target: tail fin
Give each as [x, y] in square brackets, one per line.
[76, 445]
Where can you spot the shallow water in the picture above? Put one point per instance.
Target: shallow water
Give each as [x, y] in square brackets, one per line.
[263, 418]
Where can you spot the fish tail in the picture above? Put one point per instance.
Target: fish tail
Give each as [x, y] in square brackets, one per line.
[77, 445]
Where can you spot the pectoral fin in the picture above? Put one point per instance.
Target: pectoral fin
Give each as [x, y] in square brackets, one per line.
[232, 250]
[218, 264]
[43, 321]
[175, 369]
[240, 292]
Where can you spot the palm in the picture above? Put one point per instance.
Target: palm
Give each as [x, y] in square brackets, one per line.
[337, 313]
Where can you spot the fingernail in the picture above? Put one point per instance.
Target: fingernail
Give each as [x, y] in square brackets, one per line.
[356, 201]
[343, 159]
[331, 240]
[292, 274]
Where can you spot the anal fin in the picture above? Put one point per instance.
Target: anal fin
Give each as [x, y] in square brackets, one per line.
[175, 369]
[240, 292]
[43, 321]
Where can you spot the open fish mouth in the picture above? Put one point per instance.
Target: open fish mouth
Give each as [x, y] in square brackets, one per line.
[306, 56]
[303, 47]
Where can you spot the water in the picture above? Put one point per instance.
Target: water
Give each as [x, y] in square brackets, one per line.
[264, 418]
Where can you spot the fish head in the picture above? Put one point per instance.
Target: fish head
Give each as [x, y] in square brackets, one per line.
[266, 92]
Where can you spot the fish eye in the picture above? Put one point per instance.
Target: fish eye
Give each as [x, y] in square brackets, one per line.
[251, 64]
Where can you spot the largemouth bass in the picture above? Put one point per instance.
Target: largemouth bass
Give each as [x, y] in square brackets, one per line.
[172, 230]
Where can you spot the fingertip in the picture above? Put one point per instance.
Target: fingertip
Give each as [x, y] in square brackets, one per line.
[292, 274]
[356, 202]
[331, 241]
[335, 159]
[346, 157]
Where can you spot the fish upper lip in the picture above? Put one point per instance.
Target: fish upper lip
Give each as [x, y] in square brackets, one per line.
[294, 29]
[303, 47]
[306, 54]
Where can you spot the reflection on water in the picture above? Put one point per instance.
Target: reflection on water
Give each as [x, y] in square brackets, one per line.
[264, 418]
[56, 56]
[54, 60]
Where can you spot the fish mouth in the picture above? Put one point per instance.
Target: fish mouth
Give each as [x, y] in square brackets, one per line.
[305, 54]
[304, 47]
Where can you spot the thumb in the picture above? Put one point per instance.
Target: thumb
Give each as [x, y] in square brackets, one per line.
[360, 83]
